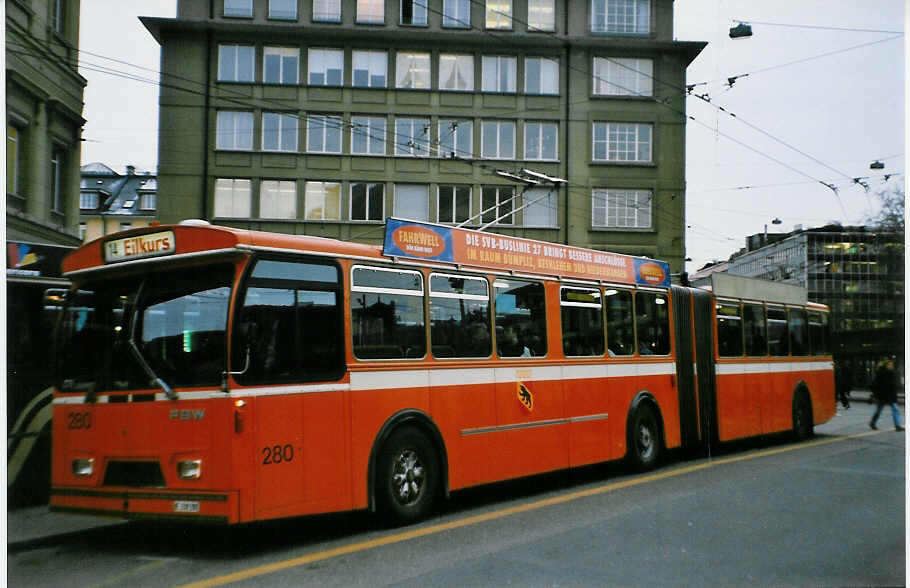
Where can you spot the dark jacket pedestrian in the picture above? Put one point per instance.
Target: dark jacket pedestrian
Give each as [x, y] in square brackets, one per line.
[884, 389]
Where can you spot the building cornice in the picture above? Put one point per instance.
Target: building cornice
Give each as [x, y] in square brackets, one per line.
[316, 33]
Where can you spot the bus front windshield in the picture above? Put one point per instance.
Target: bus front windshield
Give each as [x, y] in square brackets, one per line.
[176, 320]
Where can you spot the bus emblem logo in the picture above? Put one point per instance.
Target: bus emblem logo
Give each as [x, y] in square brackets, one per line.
[525, 397]
[188, 415]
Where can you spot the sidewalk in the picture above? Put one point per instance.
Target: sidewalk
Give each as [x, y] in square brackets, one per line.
[37, 526]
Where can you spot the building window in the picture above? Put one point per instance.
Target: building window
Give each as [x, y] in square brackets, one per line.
[497, 203]
[621, 16]
[541, 15]
[323, 134]
[456, 138]
[368, 135]
[326, 67]
[236, 63]
[280, 65]
[233, 198]
[498, 14]
[58, 18]
[622, 142]
[497, 139]
[412, 137]
[541, 75]
[370, 11]
[370, 69]
[498, 73]
[283, 9]
[278, 199]
[14, 137]
[456, 14]
[234, 130]
[148, 201]
[541, 141]
[456, 72]
[323, 201]
[624, 209]
[326, 10]
[279, 132]
[414, 12]
[88, 200]
[453, 204]
[412, 202]
[58, 157]
[615, 76]
[126, 226]
[540, 207]
[239, 8]
[412, 71]
[367, 201]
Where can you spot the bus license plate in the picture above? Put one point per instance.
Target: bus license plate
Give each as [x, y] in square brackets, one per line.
[186, 506]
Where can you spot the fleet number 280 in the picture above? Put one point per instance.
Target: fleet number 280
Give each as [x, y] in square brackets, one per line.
[276, 454]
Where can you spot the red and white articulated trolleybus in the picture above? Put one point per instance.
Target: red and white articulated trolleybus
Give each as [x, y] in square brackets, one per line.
[223, 375]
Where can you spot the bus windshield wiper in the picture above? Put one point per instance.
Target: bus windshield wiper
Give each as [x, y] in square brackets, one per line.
[138, 354]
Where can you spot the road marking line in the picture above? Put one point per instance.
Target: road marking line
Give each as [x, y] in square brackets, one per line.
[499, 514]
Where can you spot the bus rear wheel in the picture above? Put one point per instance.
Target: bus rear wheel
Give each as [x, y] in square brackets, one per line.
[644, 443]
[407, 477]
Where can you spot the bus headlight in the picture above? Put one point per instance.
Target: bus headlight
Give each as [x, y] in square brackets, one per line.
[84, 467]
[189, 469]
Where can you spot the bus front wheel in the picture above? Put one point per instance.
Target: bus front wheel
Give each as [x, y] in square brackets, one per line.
[407, 477]
[644, 443]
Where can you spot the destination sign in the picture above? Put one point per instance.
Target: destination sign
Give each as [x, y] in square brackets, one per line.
[417, 240]
[140, 246]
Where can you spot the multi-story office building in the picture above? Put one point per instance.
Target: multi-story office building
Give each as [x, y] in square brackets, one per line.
[857, 271]
[324, 117]
[43, 121]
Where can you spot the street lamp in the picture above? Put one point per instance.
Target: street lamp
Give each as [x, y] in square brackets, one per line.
[740, 31]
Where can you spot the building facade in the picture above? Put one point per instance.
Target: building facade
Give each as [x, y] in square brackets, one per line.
[111, 202]
[325, 117]
[43, 121]
[857, 271]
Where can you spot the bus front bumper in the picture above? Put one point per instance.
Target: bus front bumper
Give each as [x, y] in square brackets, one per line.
[148, 504]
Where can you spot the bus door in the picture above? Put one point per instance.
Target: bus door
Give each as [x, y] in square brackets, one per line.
[685, 366]
[288, 342]
[703, 311]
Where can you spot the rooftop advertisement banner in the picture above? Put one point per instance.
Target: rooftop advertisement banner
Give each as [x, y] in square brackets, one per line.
[416, 240]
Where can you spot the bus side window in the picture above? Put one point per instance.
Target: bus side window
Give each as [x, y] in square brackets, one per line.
[778, 339]
[582, 322]
[387, 314]
[290, 324]
[818, 333]
[729, 330]
[521, 322]
[620, 326]
[459, 316]
[652, 321]
[756, 330]
[799, 332]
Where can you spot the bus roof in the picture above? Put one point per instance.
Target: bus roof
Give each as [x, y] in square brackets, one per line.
[404, 239]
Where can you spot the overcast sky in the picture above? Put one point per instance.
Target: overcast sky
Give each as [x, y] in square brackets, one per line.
[823, 119]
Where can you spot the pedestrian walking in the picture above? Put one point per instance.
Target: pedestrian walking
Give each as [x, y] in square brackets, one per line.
[843, 378]
[884, 389]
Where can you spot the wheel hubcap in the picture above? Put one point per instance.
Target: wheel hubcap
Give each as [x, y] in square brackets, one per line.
[407, 477]
[645, 441]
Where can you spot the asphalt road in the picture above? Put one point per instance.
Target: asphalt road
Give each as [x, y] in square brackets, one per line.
[830, 511]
